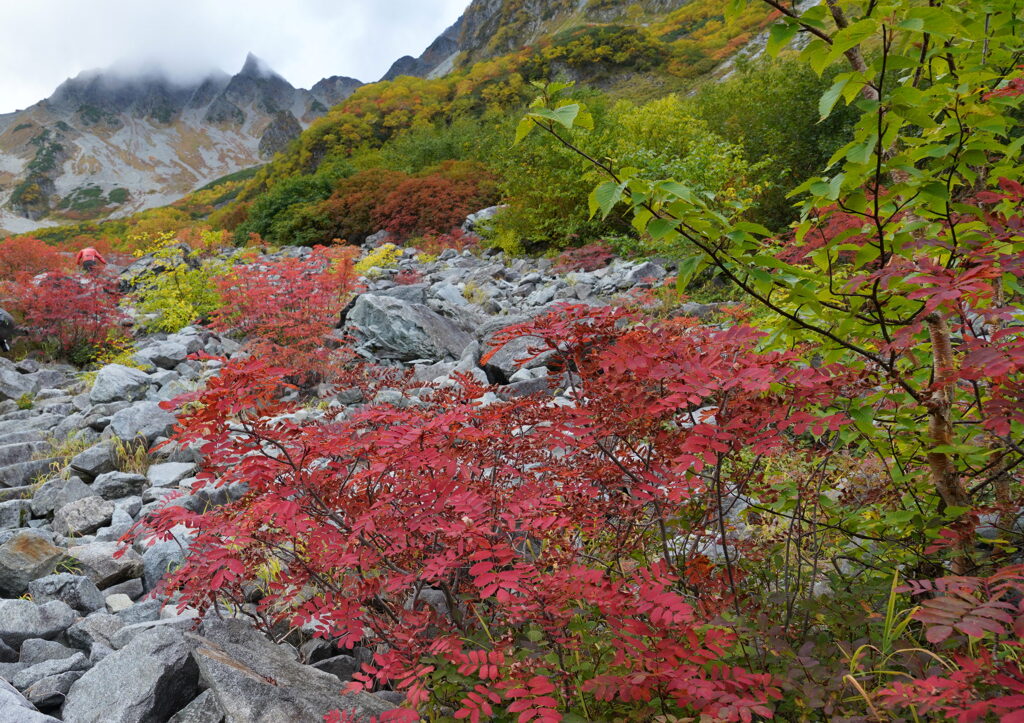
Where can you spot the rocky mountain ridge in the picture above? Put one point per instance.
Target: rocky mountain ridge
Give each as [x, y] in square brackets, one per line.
[107, 143]
[490, 28]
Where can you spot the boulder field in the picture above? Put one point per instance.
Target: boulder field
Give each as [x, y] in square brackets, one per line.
[85, 636]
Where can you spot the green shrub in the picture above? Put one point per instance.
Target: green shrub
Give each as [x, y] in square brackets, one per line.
[181, 292]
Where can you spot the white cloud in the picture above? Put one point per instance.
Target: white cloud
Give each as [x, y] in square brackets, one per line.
[42, 42]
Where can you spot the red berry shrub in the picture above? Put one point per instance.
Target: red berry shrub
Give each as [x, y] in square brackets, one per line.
[287, 308]
[523, 556]
[407, 277]
[71, 316]
[348, 214]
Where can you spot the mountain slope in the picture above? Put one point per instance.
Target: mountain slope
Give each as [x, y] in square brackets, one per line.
[108, 143]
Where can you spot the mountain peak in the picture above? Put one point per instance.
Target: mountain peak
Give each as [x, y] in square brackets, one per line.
[256, 68]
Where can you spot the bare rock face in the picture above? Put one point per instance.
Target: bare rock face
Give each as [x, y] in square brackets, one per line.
[283, 129]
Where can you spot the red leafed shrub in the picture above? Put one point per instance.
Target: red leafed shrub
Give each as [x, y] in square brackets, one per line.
[72, 316]
[287, 308]
[585, 258]
[23, 258]
[984, 679]
[519, 557]
[436, 203]
[349, 211]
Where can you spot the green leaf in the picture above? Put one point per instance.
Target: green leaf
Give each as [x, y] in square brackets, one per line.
[523, 129]
[604, 197]
[662, 228]
[564, 116]
[779, 37]
[828, 100]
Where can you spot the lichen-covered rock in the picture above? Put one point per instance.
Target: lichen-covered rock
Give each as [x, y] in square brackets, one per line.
[28, 555]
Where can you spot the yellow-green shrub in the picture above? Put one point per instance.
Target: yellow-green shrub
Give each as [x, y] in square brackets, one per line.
[180, 289]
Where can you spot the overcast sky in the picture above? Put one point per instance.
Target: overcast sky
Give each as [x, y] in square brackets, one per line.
[42, 42]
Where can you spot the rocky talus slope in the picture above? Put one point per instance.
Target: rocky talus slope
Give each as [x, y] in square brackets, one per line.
[83, 635]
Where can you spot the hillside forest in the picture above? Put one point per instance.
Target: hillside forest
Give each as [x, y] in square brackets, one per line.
[803, 503]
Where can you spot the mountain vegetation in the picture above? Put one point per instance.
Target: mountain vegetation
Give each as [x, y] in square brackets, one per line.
[766, 468]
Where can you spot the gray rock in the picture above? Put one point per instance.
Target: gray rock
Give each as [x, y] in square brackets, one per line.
[21, 620]
[644, 273]
[204, 709]
[36, 650]
[7, 653]
[95, 461]
[147, 680]
[143, 420]
[50, 692]
[26, 556]
[115, 383]
[128, 633]
[120, 523]
[96, 561]
[169, 474]
[56, 493]
[115, 485]
[475, 221]
[256, 681]
[144, 611]
[15, 708]
[519, 353]
[14, 385]
[132, 588]
[163, 557]
[83, 517]
[118, 602]
[340, 666]
[394, 329]
[171, 352]
[14, 514]
[76, 591]
[32, 675]
[96, 629]
[21, 473]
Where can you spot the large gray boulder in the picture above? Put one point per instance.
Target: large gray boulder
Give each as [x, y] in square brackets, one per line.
[49, 693]
[116, 383]
[97, 562]
[115, 485]
[391, 328]
[26, 556]
[95, 461]
[256, 681]
[146, 681]
[98, 629]
[83, 516]
[21, 620]
[77, 591]
[144, 420]
[169, 474]
[56, 493]
[171, 352]
[14, 385]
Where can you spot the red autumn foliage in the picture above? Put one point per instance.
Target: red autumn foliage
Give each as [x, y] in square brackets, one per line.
[349, 212]
[74, 316]
[435, 203]
[23, 258]
[523, 517]
[585, 258]
[288, 308]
